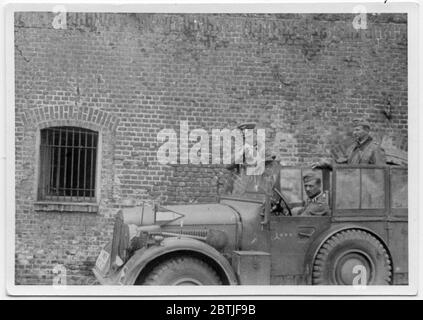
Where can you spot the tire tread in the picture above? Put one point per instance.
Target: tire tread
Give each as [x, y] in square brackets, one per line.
[334, 240]
[155, 274]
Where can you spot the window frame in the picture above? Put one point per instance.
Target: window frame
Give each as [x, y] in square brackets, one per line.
[325, 180]
[372, 212]
[397, 211]
[62, 203]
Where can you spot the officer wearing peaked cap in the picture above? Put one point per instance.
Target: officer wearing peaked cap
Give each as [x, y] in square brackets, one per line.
[317, 202]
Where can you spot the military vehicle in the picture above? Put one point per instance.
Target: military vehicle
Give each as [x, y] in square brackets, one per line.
[251, 236]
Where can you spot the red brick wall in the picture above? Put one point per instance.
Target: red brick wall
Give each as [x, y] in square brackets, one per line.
[301, 77]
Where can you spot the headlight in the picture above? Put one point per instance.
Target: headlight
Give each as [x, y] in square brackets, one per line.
[139, 216]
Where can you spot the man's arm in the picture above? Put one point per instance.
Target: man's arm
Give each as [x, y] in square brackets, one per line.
[323, 164]
[297, 211]
[338, 157]
[316, 209]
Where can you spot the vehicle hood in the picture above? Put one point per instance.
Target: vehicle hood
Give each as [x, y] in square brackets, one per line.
[202, 214]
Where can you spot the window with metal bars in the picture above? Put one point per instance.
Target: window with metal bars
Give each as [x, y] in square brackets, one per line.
[68, 158]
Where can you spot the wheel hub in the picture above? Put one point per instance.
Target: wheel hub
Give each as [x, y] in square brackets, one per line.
[353, 268]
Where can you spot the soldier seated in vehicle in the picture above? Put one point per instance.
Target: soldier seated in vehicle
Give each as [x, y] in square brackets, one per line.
[317, 202]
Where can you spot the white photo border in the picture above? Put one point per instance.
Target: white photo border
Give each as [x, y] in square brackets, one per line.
[411, 8]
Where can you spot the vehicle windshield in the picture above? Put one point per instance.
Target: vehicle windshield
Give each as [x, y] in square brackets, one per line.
[288, 180]
[239, 184]
[292, 185]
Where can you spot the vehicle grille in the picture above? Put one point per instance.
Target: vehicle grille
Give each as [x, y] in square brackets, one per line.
[202, 233]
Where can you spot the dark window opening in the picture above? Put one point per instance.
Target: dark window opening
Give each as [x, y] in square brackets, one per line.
[68, 157]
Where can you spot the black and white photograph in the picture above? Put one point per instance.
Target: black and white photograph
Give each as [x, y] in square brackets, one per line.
[244, 149]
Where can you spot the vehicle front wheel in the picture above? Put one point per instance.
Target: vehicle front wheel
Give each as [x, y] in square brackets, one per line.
[352, 257]
[182, 271]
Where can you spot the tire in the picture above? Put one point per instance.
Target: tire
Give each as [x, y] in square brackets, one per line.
[182, 270]
[352, 257]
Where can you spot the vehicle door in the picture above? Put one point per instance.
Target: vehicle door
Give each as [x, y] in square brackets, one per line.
[291, 235]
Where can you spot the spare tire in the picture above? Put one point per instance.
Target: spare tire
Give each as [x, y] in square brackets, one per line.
[352, 257]
[180, 271]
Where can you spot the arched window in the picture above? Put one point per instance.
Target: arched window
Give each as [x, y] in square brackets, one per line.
[68, 157]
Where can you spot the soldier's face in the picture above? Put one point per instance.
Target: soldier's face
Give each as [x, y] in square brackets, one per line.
[312, 188]
[359, 133]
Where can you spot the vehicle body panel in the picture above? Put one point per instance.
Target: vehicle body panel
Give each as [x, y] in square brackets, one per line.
[290, 238]
[399, 250]
[128, 274]
[292, 241]
[203, 214]
[253, 235]
[390, 221]
[198, 218]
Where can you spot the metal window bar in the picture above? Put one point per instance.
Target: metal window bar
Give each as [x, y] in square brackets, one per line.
[361, 188]
[72, 157]
[79, 164]
[85, 164]
[92, 171]
[52, 150]
[58, 171]
[68, 156]
[65, 160]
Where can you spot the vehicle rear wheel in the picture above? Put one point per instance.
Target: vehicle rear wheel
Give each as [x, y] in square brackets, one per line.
[352, 257]
[182, 271]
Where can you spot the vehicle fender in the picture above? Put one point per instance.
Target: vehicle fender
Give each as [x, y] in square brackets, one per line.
[321, 239]
[142, 257]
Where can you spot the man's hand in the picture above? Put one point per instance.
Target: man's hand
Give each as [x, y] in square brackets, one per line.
[297, 211]
[315, 165]
[322, 164]
[341, 160]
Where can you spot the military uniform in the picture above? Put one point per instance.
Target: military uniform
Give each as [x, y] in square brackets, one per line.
[366, 152]
[264, 183]
[317, 206]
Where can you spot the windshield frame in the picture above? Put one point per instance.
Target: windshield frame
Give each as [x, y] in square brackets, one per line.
[368, 212]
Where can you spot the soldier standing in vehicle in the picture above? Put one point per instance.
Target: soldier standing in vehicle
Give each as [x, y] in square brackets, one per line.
[363, 151]
[317, 202]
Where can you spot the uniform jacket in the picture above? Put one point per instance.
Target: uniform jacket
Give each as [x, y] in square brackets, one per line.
[317, 206]
[366, 152]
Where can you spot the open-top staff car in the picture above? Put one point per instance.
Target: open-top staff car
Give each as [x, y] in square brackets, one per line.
[251, 237]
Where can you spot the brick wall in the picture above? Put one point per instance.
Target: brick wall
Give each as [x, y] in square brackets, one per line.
[301, 77]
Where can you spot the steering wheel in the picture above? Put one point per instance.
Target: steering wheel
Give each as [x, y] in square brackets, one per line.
[282, 198]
